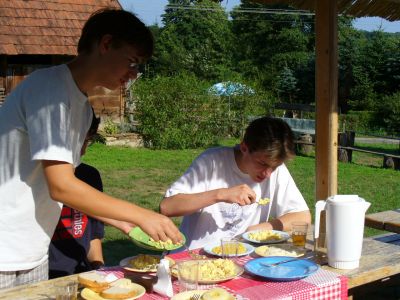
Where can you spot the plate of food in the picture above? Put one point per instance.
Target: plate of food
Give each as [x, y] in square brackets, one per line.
[143, 240]
[119, 289]
[280, 250]
[215, 270]
[265, 236]
[143, 263]
[242, 249]
[292, 270]
[212, 294]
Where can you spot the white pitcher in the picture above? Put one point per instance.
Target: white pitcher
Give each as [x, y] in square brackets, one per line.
[344, 229]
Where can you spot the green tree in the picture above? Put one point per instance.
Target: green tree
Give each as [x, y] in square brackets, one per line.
[267, 42]
[196, 38]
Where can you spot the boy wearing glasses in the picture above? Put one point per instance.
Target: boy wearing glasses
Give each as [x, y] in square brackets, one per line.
[43, 125]
[219, 193]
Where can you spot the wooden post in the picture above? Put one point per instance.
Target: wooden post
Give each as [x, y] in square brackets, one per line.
[326, 82]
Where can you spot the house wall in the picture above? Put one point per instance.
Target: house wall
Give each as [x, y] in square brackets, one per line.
[14, 68]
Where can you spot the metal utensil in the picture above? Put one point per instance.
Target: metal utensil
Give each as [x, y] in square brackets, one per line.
[195, 297]
[287, 260]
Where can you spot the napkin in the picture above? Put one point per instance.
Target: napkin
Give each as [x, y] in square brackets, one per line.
[164, 282]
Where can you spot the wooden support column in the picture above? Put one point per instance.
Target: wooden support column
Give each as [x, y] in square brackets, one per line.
[326, 98]
[326, 83]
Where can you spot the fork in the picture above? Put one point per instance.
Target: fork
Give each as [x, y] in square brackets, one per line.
[286, 261]
[195, 297]
[192, 254]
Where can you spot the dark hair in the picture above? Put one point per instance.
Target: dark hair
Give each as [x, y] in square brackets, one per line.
[123, 26]
[93, 126]
[272, 136]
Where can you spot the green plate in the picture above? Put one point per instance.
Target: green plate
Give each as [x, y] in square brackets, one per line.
[141, 239]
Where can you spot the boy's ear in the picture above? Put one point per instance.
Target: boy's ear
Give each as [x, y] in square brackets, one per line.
[243, 147]
[105, 43]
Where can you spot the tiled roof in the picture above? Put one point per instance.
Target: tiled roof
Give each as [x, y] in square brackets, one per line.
[45, 26]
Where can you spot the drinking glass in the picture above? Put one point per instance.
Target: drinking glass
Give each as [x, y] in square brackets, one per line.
[67, 290]
[299, 233]
[229, 247]
[188, 275]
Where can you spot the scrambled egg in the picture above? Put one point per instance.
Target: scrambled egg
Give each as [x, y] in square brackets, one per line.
[162, 244]
[144, 262]
[211, 270]
[230, 249]
[264, 235]
[264, 201]
[216, 269]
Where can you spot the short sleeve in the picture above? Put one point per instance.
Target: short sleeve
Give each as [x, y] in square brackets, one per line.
[195, 179]
[287, 197]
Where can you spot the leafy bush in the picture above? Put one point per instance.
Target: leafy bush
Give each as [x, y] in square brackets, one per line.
[387, 114]
[110, 127]
[177, 113]
[359, 121]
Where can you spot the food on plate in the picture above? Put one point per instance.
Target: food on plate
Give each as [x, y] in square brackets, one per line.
[162, 244]
[120, 289]
[265, 235]
[217, 294]
[144, 262]
[216, 269]
[212, 270]
[279, 250]
[96, 281]
[264, 201]
[230, 249]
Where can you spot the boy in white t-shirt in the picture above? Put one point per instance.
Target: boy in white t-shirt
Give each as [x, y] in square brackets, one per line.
[219, 192]
[43, 125]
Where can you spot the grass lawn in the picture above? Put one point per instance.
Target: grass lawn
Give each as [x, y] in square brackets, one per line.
[141, 176]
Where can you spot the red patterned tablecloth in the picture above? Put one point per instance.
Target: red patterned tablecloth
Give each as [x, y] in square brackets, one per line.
[322, 284]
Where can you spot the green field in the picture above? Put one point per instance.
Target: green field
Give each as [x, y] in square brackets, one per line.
[141, 176]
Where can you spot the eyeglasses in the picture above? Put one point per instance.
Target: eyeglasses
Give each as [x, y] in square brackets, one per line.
[134, 66]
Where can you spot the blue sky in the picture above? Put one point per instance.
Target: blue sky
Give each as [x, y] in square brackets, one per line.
[149, 11]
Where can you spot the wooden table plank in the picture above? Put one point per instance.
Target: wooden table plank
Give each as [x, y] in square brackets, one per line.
[35, 291]
[379, 260]
[385, 220]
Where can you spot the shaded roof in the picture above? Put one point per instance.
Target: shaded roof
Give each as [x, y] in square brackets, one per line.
[45, 26]
[387, 9]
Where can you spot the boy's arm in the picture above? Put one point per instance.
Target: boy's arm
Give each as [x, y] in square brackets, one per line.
[66, 188]
[125, 227]
[95, 254]
[283, 223]
[185, 204]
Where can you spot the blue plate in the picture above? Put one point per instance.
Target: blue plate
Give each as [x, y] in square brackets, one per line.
[209, 249]
[289, 271]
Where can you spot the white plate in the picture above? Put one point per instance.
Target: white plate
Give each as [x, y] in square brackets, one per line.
[188, 294]
[209, 249]
[283, 237]
[125, 264]
[88, 294]
[279, 250]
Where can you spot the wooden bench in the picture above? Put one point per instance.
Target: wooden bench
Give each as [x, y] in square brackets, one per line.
[385, 220]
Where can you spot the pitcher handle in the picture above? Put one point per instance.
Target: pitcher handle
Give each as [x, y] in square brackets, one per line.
[319, 206]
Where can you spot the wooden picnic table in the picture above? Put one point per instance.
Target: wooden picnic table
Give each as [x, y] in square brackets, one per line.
[386, 220]
[380, 260]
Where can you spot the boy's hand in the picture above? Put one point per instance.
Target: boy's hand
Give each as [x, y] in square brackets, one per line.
[160, 227]
[241, 194]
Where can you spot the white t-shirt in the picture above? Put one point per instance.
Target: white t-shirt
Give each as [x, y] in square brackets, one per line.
[216, 168]
[46, 117]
